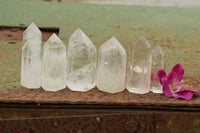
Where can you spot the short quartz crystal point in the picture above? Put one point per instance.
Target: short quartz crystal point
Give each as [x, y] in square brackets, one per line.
[31, 57]
[139, 69]
[158, 56]
[82, 57]
[54, 64]
[111, 70]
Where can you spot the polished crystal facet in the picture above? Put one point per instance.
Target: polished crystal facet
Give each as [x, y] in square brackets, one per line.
[139, 69]
[81, 68]
[158, 56]
[54, 65]
[111, 70]
[31, 57]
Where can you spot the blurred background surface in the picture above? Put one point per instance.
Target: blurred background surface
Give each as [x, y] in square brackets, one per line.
[170, 3]
[174, 25]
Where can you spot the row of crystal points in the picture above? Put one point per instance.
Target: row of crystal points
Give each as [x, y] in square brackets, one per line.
[55, 68]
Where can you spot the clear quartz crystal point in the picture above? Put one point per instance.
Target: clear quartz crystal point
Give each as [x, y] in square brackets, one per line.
[158, 56]
[82, 57]
[54, 64]
[139, 69]
[111, 70]
[31, 57]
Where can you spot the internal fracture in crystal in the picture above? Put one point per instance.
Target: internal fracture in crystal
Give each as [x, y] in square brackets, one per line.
[31, 57]
[158, 56]
[111, 70]
[54, 64]
[82, 57]
[139, 68]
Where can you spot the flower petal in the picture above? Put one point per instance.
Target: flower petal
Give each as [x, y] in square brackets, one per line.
[161, 74]
[166, 88]
[193, 91]
[184, 94]
[182, 88]
[172, 78]
[179, 70]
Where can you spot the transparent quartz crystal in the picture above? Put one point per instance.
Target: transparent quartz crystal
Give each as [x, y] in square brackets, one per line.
[82, 57]
[54, 64]
[111, 70]
[31, 57]
[139, 69]
[158, 56]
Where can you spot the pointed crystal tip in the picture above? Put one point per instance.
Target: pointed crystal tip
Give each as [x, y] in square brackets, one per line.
[80, 36]
[54, 38]
[33, 24]
[113, 40]
[157, 50]
[78, 32]
[32, 28]
[142, 42]
[112, 43]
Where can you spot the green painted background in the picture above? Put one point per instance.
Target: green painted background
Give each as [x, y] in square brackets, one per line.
[177, 30]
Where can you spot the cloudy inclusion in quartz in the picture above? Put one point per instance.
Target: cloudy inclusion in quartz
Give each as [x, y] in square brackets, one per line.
[158, 56]
[54, 64]
[111, 71]
[31, 58]
[81, 68]
[139, 69]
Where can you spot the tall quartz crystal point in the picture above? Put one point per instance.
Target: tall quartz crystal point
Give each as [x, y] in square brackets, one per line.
[139, 69]
[81, 68]
[31, 57]
[54, 64]
[158, 56]
[111, 70]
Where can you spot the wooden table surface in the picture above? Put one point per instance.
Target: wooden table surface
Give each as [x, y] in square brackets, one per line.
[175, 29]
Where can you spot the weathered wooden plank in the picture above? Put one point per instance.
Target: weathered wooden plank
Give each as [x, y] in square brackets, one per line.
[175, 29]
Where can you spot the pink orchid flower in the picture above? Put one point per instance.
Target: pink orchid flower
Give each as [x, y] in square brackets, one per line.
[171, 83]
